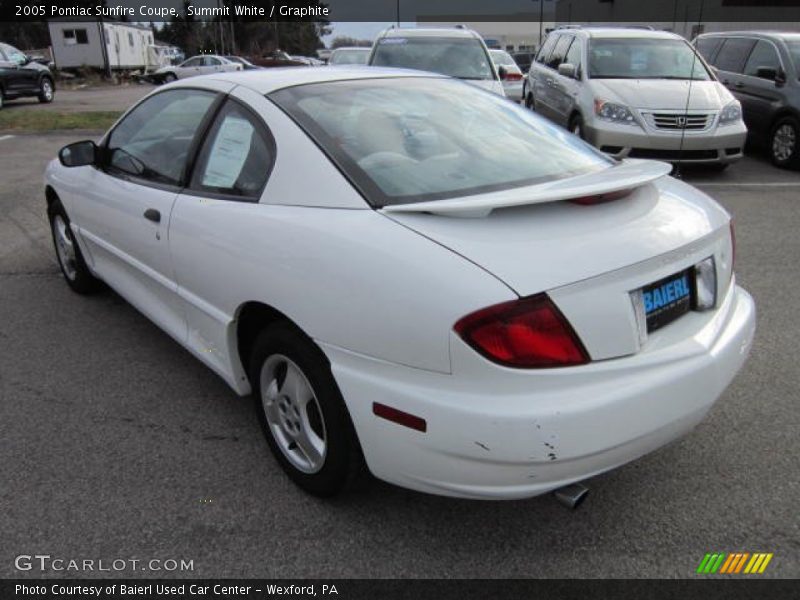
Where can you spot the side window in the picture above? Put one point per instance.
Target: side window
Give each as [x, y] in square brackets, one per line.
[211, 62]
[574, 54]
[733, 53]
[153, 141]
[237, 155]
[707, 47]
[546, 48]
[193, 62]
[763, 55]
[559, 52]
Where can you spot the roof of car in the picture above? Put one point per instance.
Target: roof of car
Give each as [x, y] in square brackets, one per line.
[454, 32]
[265, 81]
[758, 33]
[620, 32]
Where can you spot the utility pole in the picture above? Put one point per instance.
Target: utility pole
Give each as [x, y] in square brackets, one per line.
[541, 18]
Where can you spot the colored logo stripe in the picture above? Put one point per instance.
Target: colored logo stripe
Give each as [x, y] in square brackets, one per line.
[734, 563]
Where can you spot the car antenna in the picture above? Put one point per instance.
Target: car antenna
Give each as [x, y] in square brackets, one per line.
[678, 172]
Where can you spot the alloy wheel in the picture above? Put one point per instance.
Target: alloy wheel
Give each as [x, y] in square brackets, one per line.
[65, 247]
[784, 142]
[293, 413]
[47, 90]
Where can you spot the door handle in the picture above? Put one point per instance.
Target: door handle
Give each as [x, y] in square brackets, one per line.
[151, 214]
[739, 84]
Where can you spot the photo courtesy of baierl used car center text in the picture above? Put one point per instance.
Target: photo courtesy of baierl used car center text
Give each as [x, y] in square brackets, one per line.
[399, 299]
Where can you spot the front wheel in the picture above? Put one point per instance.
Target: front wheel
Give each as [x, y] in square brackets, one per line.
[69, 256]
[302, 412]
[784, 148]
[46, 90]
[170, 77]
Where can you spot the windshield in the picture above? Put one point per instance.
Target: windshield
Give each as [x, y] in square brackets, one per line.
[641, 58]
[350, 57]
[464, 58]
[403, 140]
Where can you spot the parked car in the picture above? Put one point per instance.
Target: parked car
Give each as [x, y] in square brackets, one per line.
[309, 60]
[762, 69]
[277, 58]
[458, 52]
[349, 56]
[20, 76]
[627, 92]
[465, 296]
[246, 64]
[510, 74]
[203, 64]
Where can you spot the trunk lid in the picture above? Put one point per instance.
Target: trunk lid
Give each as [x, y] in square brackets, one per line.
[609, 249]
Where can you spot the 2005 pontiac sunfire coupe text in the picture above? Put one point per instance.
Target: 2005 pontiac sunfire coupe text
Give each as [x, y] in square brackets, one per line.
[410, 272]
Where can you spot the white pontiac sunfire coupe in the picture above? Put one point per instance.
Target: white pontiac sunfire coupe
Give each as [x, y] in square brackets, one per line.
[412, 273]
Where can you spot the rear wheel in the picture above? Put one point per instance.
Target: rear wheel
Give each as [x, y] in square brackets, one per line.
[302, 412]
[46, 90]
[170, 77]
[68, 254]
[784, 146]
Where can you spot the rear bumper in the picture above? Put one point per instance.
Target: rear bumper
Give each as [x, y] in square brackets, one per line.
[518, 434]
[718, 145]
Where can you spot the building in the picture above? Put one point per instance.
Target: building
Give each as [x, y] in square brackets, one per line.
[688, 18]
[107, 45]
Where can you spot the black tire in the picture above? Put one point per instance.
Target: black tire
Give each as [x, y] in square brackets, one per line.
[76, 273]
[576, 126]
[47, 91]
[784, 143]
[342, 461]
[170, 77]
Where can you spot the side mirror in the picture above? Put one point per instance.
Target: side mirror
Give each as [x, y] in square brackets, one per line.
[567, 70]
[79, 154]
[502, 72]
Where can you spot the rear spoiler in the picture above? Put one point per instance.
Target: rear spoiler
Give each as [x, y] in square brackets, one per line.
[628, 174]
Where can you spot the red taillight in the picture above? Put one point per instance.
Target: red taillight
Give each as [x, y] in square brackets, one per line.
[513, 77]
[527, 333]
[600, 198]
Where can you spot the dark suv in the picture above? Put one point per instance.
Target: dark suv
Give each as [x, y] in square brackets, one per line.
[21, 76]
[762, 69]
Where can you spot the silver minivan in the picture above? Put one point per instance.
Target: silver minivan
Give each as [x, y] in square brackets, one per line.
[636, 93]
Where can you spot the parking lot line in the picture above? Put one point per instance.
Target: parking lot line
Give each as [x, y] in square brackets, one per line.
[5, 137]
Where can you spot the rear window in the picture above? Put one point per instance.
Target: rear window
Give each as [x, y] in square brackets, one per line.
[464, 58]
[404, 140]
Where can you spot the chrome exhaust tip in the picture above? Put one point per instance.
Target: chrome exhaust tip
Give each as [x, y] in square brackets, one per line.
[572, 496]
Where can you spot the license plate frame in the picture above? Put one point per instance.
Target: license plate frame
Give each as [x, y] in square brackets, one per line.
[666, 300]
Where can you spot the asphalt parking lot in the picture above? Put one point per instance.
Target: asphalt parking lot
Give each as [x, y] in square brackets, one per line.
[116, 443]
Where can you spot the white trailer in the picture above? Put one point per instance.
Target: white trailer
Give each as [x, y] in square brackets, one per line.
[108, 44]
